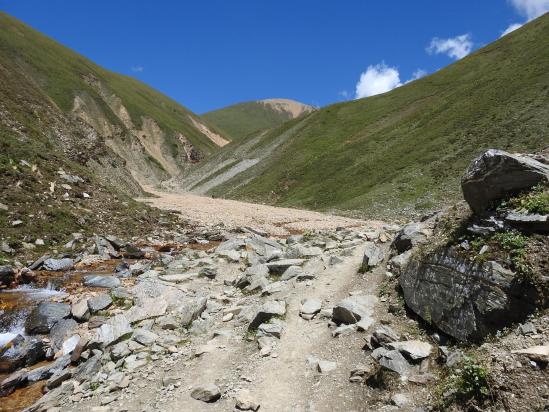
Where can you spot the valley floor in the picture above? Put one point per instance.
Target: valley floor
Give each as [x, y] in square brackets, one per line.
[233, 214]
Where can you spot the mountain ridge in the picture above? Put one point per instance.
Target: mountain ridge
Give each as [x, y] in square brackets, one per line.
[242, 119]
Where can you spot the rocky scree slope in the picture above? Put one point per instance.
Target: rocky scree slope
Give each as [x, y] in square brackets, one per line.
[242, 119]
[77, 140]
[406, 148]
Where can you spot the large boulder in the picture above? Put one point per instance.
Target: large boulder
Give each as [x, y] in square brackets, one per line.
[496, 173]
[44, 316]
[467, 300]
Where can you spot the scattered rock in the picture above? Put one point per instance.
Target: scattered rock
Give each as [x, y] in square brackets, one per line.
[278, 267]
[80, 310]
[44, 316]
[61, 330]
[391, 360]
[309, 308]
[373, 255]
[325, 366]
[354, 308]
[116, 329]
[58, 264]
[245, 402]
[101, 281]
[400, 400]
[413, 349]
[268, 310]
[206, 393]
[411, 235]
[536, 353]
[99, 302]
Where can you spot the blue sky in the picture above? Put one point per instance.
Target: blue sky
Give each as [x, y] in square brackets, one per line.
[209, 54]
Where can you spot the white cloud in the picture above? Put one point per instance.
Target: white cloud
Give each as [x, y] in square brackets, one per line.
[455, 47]
[343, 93]
[137, 69]
[511, 28]
[418, 74]
[531, 8]
[376, 80]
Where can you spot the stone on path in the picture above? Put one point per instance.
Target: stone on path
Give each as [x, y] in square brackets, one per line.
[206, 393]
[354, 308]
[245, 401]
[309, 308]
[535, 353]
[268, 310]
[373, 255]
[414, 349]
[325, 366]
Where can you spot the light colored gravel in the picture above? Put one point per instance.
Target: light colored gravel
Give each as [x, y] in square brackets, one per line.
[277, 221]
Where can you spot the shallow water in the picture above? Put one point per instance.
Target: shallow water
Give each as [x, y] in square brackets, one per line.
[16, 304]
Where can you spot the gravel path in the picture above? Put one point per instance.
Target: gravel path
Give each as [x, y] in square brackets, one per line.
[277, 221]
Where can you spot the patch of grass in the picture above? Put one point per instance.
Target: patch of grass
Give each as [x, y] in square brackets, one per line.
[535, 200]
[466, 384]
[516, 244]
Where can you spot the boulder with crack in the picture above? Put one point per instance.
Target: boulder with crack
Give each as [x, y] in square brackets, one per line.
[465, 299]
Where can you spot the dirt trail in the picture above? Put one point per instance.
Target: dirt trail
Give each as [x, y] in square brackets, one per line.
[276, 221]
[280, 383]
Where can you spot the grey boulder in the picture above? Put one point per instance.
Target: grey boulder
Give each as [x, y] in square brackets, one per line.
[496, 173]
[58, 264]
[409, 236]
[465, 299]
[354, 308]
[373, 255]
[267, 311]
[99, 302]
[44, 316]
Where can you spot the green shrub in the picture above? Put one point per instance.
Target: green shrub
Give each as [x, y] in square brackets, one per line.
[472, 380]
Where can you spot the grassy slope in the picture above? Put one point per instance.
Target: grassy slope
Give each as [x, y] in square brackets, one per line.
[408, 148]
[241, 120]
[58, 70]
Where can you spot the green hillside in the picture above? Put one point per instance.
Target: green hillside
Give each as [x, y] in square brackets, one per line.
[243, 119]
[407, 149]
[60, 74]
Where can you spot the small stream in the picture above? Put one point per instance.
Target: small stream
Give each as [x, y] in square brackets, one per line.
[16, 304]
